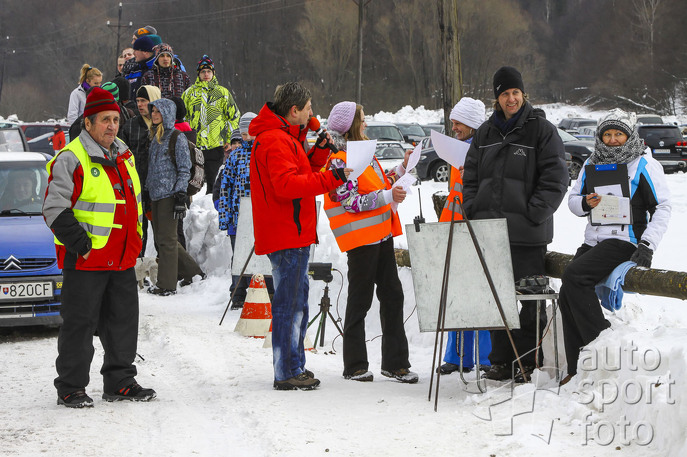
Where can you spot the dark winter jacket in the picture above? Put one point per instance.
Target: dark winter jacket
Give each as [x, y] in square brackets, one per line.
[284, 182]
[520, 175]
[133, 71]
[164, 180]
[171, 80]
[136, 135]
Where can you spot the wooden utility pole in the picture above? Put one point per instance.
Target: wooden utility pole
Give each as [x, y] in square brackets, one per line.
[119, 28]
[359, 77]
[451, 77]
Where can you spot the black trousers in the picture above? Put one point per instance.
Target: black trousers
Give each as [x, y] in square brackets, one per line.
[527, 261]
[106, 301]
[368, 266]
[582, 316]
[213, 160]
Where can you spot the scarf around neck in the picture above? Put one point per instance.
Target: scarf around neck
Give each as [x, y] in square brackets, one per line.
[603, 154]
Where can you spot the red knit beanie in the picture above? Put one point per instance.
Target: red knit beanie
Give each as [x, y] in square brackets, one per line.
[98, 100]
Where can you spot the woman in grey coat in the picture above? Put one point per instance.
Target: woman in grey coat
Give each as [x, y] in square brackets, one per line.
[166, 183]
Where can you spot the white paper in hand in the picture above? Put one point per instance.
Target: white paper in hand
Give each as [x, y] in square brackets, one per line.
[451, 150]
[359, 154]
[404, 182]
[414, 157]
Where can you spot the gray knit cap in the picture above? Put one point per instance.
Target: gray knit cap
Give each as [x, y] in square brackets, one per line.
[244, 121]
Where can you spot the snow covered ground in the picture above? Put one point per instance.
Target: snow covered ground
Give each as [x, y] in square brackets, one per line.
[215, 393]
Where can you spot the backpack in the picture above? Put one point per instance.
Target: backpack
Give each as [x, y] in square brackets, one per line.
[197, 163]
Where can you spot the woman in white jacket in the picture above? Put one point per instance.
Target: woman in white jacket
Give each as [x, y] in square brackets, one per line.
[607, 246]
[88, 78]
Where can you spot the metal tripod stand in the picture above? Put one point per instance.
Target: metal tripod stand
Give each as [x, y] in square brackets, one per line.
[325, 304]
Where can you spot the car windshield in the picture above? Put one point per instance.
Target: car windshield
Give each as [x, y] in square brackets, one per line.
[22, 187]
[10, 140]
[412, 129]
[383, 132]
[565, 136]
[652, 135]
[649, 120]
[389, 151]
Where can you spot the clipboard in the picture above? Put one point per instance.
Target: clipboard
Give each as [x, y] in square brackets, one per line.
[608, 175]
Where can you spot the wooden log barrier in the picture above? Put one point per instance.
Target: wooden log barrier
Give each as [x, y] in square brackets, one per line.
[648, 281]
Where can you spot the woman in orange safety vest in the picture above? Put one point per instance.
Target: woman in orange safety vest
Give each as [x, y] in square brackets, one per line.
[361, 216]
[466, 117]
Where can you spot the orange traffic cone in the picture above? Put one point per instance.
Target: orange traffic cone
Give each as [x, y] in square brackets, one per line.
[256, 315]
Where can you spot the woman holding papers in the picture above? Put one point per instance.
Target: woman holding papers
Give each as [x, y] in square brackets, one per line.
[607, 245]
[361, 216]
[466, 117]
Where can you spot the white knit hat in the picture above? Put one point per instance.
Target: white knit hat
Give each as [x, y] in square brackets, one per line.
[469, 111]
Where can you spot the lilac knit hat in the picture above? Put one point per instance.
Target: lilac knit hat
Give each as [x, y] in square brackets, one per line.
[341, 117]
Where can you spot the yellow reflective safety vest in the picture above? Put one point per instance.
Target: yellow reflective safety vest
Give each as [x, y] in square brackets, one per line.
[456, 190]
[97, 204]
[353, 230]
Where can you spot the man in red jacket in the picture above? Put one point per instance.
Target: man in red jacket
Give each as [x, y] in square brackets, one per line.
[92, 205]
[284, 181]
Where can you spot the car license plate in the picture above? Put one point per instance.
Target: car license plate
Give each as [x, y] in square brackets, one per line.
[17, 290]
[661, 151]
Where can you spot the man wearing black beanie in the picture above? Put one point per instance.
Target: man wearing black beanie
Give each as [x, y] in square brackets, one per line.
[515, 169]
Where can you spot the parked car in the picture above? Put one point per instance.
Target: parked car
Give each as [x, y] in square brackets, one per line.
[572, 124]
[412, 132]
[649, 119]
[12, 139]
[430, 165]
[429, 127]
[39, 136]
[390, 154]
[667, 145]
[579, 150]
[30, 281]
[385, 131]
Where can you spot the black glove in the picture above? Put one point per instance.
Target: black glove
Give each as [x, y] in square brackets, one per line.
[340, 174]
[179, 205]
[643, 254]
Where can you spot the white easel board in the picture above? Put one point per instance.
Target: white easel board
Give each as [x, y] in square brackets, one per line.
[244, 243]
[470, 303]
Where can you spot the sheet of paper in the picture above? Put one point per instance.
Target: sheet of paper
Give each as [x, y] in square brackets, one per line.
[414, 157]
[359, 155]
[613, 189]
[612, 210]
[450, 149]
[404, 182]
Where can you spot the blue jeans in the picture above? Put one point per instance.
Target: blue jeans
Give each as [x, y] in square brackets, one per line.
[289, 311]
